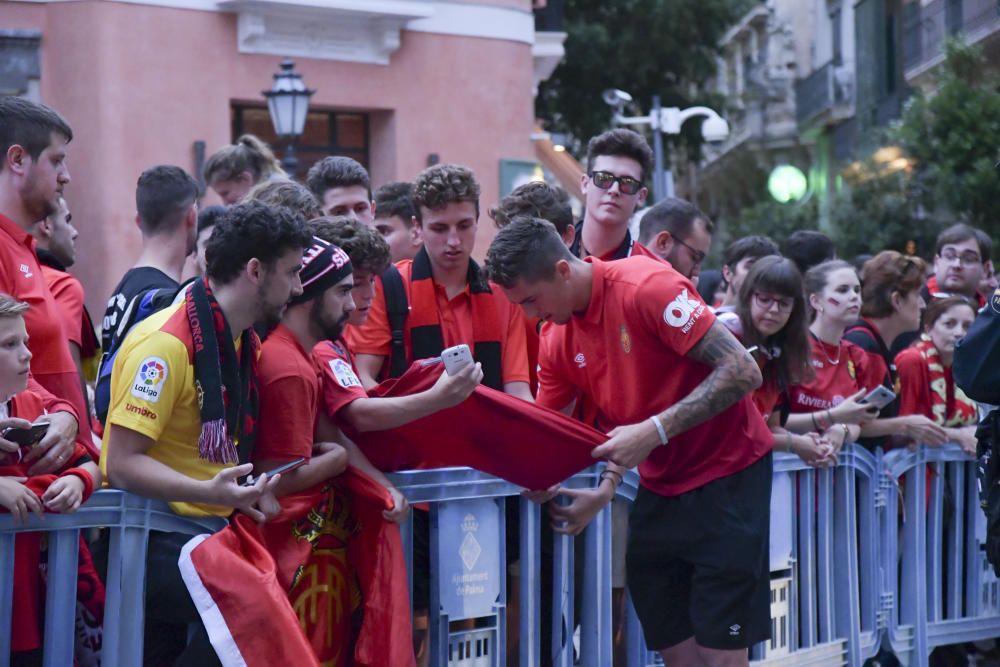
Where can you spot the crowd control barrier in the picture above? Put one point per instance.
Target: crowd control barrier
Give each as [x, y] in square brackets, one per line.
[883, 550]
[129, 518]
[939, 588]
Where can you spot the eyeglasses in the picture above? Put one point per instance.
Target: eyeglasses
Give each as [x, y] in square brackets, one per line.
[626, 184]
[765, 301]
[968, 257]
[697, 255]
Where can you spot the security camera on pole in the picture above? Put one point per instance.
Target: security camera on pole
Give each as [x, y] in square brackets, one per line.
[665, 120]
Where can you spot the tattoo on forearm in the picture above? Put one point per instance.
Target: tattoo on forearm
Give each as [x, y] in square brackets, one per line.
[734, 374]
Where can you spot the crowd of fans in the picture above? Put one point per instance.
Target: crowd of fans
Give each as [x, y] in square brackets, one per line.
[694, 377]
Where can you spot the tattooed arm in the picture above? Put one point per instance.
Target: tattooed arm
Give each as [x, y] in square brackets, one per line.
[734, 374]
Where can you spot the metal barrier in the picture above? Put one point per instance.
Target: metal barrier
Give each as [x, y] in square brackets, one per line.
[466, 510]
[129, 519]
[940, 589]
[856, 564]
[823, 586]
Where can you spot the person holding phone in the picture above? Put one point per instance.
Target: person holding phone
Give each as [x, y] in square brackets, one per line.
[184, 405]
[831, 403]
[926, 385]
[771, 318]
[22, 493]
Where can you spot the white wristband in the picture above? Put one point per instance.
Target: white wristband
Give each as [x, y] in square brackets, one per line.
[660, 430]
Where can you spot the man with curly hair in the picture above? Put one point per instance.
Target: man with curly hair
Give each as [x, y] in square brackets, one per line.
[450, 300]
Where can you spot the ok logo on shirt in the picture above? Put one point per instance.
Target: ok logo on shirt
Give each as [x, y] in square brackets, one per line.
[683, 311]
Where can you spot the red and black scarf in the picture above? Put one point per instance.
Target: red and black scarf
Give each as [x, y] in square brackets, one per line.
[424, 322]
[227, 389]
[950, 406]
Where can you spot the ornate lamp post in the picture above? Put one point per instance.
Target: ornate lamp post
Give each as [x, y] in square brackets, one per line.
[288, 102]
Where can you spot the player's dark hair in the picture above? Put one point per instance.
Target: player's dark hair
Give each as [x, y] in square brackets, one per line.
[527, 249]
[163, 195]
[252, 230]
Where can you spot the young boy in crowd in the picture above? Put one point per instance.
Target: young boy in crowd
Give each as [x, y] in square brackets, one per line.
[62, 491]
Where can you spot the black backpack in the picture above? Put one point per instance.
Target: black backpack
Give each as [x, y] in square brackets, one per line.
[142, 306]
[397, 308]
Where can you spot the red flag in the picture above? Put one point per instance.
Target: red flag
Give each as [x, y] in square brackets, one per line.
[289, 576]
[527, 444]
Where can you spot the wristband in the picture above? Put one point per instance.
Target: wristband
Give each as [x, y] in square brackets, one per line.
[660, 430]
[84, 476]
[607, 474]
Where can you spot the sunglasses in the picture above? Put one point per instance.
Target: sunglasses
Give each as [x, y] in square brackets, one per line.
[626, 184]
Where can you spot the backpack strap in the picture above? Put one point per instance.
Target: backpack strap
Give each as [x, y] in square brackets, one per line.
[397, 308]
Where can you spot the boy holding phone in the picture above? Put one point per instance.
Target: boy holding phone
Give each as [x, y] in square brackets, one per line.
[22, 494]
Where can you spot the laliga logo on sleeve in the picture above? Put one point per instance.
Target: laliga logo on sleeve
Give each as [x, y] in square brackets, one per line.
[148, 384]
[344, 373]
[683, 311]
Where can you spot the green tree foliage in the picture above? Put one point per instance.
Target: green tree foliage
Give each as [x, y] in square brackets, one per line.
[645, 47]
[953, 136]
[880, 210]
[773, 219]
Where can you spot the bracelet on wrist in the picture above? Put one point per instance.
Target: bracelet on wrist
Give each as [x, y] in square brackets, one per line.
[660, 431]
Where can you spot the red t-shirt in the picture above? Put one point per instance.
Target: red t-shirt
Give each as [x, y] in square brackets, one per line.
[834, 381]
[51, 364]
[339, 377]
[289, 399]
[626, 354]
[915, 383]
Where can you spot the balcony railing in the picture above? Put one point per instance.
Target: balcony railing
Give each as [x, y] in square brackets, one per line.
[926, 27]
[826, 89]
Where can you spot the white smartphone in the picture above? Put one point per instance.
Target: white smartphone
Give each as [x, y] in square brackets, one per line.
[879, 397]
[456, 358]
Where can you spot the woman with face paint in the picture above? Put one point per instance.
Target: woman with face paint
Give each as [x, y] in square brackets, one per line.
[926, 385]
[829, 404]
[771, 319]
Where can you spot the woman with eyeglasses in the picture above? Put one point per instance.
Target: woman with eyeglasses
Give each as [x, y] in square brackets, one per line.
[830, 403]
[926, 386]
[770, 319]
[891, 306]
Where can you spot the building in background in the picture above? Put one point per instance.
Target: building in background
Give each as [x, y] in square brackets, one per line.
[757, 71]
[400, 84]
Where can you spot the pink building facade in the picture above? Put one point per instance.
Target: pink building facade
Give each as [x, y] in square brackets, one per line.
[141, 82]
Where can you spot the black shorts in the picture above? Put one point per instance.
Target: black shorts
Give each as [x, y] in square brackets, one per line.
[697, 563]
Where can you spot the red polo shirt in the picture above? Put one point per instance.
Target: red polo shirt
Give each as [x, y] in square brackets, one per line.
[289, 399]
[51, 363]
[627, 354]
[455, 314]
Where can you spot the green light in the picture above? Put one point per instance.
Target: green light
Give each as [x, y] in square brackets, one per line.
[787, 183]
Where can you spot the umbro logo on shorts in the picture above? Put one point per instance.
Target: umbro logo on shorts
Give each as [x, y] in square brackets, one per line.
[734, 630]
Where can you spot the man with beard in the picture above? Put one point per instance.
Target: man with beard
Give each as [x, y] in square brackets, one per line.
[344, 400]
[55, 245]
[33, 173]
[289, 383]
[676, 231]
[184, 398]
[166, 198]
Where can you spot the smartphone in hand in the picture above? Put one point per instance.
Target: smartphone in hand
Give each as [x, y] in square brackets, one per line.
[250, 480]
[456, 358]
[879, 397]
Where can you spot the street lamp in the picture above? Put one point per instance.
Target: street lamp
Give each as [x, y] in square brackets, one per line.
[665, 120]
[288, 103]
